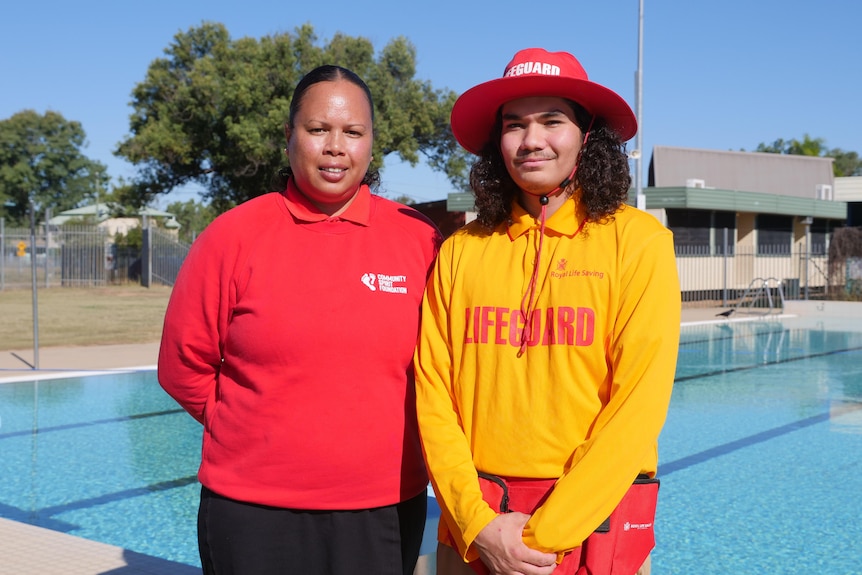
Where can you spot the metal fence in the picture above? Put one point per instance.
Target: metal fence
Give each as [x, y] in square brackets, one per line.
[725, 279]
[85, 256]
[162, 257]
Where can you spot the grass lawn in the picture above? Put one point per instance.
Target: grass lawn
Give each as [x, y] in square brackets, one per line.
[83, 316]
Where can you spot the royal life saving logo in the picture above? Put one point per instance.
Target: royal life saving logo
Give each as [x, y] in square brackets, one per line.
[629, 526]
[562, 271]
[385, 283]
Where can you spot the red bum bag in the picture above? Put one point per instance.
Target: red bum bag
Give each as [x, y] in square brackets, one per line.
[619, 546]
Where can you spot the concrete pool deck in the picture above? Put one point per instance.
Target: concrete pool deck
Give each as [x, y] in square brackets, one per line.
[61, 361]
[30, 550]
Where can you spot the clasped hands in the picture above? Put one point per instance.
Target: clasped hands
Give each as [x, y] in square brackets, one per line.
[502, 549]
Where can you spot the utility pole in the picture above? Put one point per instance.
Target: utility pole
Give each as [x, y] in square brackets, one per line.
[638, 155]
[33, 282]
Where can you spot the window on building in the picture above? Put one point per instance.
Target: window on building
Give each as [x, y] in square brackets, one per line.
[722, 221]
[690, 231]
[774, 234]
[821, 232]
[701, 232]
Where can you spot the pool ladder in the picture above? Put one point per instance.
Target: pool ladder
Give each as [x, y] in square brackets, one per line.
[759, 291]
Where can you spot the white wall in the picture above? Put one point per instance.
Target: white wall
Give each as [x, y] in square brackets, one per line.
[848, 189]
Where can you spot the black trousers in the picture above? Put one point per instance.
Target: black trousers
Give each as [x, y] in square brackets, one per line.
[237, 538]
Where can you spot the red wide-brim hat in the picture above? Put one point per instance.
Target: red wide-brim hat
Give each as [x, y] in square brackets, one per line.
[537, 72]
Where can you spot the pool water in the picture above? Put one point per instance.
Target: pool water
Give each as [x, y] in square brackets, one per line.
[760, 459]
[110, 458]
[761, 455]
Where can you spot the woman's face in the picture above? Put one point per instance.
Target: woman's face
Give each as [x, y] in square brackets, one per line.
[540, 142]
[329, 146]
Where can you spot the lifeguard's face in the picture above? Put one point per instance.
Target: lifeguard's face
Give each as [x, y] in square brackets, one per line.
[330, 144]
[540, 142]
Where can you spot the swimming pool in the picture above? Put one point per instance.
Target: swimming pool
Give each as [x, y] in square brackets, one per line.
[760, 459]
[761, 456]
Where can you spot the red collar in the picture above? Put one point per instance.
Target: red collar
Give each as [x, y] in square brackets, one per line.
[359, 211]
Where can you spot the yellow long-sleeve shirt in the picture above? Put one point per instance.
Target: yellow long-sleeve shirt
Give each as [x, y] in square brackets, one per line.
[585, 402]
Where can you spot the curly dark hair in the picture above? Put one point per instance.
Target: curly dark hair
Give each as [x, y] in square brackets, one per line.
[603, 175]
[325, 73]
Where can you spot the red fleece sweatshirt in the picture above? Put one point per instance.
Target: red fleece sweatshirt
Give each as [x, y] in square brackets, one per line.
[290, 336]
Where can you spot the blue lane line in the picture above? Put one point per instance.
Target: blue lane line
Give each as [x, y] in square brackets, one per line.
[43, 516]
[725, 448]
[68, 426]
[758, 365]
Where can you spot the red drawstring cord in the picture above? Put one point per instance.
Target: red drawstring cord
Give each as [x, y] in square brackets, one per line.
[530, 294]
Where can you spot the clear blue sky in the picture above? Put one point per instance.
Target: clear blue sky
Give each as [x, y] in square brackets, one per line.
[717, 75]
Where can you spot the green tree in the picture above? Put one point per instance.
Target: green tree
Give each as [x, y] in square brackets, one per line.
[133, 238]
[406, 200]
[845, 164]
[807, 147]
[41, 155]
[193, 217]
[212, 111]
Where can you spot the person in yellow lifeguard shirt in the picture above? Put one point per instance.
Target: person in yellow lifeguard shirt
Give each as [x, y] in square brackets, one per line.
[549, 335]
